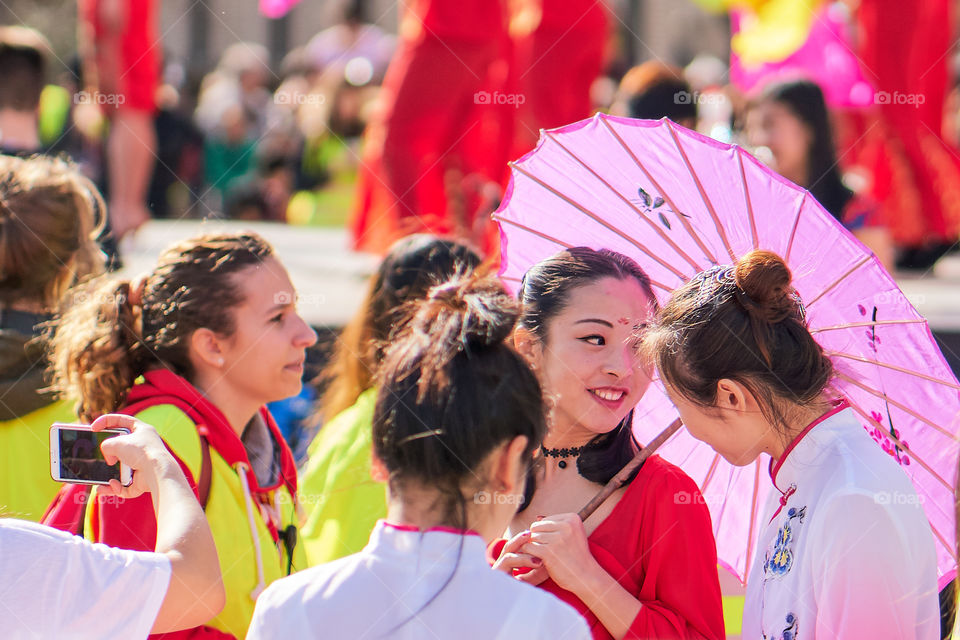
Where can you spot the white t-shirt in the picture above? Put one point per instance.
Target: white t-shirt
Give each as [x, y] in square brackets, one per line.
[845, 549]
[397, 587]
[55, 585]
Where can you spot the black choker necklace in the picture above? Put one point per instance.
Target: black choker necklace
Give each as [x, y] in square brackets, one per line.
[565, 452]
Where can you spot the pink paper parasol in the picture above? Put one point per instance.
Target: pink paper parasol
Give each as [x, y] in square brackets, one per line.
[678, 202]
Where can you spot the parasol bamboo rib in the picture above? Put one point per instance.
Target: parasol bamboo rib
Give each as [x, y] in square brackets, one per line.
[703, 194]
[859, 264]
[950, 548]
[562, 244]
[746, 197]
[893, 367]
[621, 478]
[898, 405]
[896, 440]
[666, 238]
[793, 231]
[707, 478]
[656, 185]
[524, 227]
[598, 220]
[854, 325]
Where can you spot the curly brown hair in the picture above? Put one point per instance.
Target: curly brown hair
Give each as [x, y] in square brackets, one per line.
[50, 217]
[108, 338]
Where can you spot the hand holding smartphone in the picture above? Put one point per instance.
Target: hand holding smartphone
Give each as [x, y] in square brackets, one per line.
[76, 457]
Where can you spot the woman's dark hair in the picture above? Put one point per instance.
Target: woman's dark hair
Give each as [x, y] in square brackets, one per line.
[452, 390]
[805, 100]
[744, 323]
[108, 338]
[411, 267]
[544, 293]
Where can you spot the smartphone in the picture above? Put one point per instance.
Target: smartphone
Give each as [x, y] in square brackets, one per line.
[75, 455]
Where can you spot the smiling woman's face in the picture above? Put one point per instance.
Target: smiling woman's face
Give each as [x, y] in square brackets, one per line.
[588, 364]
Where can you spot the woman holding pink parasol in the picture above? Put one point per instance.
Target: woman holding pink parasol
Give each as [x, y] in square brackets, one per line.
[845, 549]
[644, 564]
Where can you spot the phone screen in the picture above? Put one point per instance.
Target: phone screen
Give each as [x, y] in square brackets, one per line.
[81, 458]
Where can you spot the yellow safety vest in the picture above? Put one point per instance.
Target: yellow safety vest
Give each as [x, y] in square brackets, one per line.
[226, 512]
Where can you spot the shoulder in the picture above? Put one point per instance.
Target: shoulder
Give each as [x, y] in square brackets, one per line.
[177, 430]
[35, 540]
[852, 462]
[308, 587]
[14, 531]
[347, 428]
[543, 611]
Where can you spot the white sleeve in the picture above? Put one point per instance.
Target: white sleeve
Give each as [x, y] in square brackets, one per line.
[64, 586]
[271, 618]
[866, 582]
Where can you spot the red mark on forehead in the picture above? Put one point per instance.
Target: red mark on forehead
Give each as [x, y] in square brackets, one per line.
[624, 321]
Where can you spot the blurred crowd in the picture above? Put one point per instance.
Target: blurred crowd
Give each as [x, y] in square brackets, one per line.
[397, 134]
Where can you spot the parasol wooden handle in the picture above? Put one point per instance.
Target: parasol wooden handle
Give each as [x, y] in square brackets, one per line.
[621, 478]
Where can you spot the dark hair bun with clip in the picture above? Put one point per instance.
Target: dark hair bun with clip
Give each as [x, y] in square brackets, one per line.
[452, 388]
[473, 312]
[764, 281]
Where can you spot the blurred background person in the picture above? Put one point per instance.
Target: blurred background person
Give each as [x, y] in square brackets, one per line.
[655, 90]
[342, 500]
[50, 216]
[23, 55]
[790, 122]
[119, 47]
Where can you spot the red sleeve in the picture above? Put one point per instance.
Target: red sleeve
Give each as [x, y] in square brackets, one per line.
[680, 590]
[132, 524]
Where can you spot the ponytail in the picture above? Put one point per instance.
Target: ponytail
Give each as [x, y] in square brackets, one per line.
[97, 352]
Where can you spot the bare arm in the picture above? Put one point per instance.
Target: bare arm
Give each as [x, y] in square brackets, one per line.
[196, 591]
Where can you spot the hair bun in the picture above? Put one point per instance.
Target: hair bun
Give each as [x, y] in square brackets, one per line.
[765, 281]
[475, 308]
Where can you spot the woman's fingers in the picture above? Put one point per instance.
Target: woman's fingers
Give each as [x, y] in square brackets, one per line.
[510, 561]
[114, 421]
[516, 542]
[533, 577]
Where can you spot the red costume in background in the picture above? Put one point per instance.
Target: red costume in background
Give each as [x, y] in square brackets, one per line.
[658, 544]
[555, 64]
[435, 97]
[902, 48]
[459, 100]
[128, 65]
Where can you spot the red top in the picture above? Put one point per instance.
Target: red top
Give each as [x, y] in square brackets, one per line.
[658, 544]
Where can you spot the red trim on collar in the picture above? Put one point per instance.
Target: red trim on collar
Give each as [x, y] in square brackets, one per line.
[415, 529]
[839, 405]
